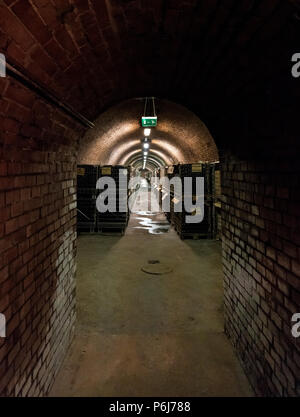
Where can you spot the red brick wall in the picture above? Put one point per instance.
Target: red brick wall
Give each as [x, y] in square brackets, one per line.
[261, 258]
[38, 146]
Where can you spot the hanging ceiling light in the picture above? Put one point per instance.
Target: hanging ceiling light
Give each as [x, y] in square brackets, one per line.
[149, 119]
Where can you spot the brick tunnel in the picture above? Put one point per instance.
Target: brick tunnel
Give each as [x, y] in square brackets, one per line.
[79, 318]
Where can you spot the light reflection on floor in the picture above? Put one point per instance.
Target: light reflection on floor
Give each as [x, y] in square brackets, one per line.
[154, 227]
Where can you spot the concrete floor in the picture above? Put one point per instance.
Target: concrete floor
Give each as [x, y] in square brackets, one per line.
[149, 335]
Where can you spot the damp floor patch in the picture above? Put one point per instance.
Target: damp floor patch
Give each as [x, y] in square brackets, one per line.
[153, 227]
[156, 268]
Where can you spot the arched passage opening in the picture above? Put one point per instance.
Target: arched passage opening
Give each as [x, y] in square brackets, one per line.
[153, 314]
[180, 137]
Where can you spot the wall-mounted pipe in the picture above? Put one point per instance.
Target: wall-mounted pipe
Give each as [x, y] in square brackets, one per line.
[20, 75]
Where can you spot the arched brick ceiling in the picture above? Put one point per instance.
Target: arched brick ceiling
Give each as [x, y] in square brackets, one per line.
[161, 156]
[151, 165]
[136, 159]
[179, 137]
[201, 53]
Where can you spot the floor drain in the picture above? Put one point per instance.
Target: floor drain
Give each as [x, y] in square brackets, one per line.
[154, 267]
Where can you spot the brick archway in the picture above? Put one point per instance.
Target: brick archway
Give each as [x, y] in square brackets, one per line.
[180, 136]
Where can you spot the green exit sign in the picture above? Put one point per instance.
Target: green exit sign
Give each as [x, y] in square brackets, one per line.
[149, 121]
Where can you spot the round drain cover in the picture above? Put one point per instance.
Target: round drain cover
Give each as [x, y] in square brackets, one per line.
[156, 268]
